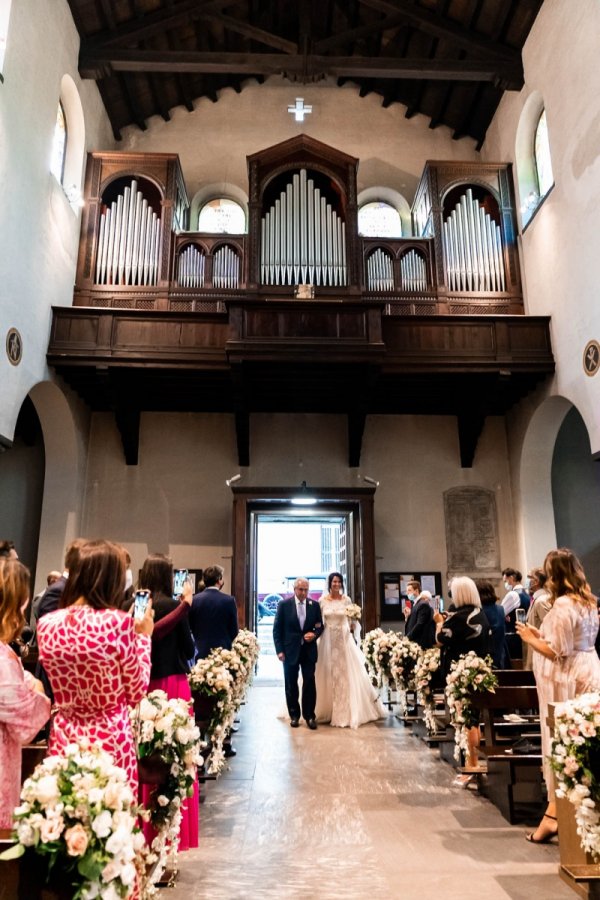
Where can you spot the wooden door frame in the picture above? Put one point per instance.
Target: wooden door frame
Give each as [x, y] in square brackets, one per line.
[359, 501]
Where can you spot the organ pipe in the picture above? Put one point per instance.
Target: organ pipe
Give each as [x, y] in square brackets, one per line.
[473, 248]
[128, 241]
[190, 268]
[226, 267]
[303, 240]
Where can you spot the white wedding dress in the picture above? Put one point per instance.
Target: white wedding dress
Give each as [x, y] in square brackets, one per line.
[345, 695]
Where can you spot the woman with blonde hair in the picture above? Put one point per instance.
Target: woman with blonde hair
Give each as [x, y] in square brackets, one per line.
[565, 662]
[24, 707]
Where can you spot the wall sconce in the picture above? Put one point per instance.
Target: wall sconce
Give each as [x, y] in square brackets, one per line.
[232, 480]
[303, 498]
[370, 480]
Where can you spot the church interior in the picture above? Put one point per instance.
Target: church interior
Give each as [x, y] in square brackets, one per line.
[254, 252]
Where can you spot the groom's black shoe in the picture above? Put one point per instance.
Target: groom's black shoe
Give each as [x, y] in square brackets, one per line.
[312, 724]
[294, 723]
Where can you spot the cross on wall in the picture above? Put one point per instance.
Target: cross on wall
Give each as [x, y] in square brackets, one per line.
[299, 110]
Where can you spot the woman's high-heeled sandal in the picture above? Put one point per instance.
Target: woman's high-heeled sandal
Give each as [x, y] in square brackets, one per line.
[547, 837]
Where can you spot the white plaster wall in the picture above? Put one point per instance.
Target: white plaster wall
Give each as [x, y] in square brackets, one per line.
[560, 249]
[214, 140]
[39, 229]
[176, 501]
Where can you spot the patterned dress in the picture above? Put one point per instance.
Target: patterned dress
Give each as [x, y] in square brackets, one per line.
[22, 713]
[97, 666]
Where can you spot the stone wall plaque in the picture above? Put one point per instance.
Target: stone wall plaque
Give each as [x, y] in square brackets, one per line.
[14, 346]
[471, 530]
[591, 358]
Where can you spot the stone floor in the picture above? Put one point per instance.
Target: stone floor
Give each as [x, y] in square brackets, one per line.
[368, 814]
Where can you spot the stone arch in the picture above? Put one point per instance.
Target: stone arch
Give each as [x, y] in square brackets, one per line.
[65, 450]
[395, 199]
[75, 150]
[212, 192]
[525, 164]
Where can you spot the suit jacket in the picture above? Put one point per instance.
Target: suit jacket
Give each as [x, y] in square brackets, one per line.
[420, 626]
[213, 620]
[170, 653]
[287, 634]
[49, 602]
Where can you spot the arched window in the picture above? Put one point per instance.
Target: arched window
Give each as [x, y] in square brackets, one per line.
[222, 216]
[379, 219]
[4, 20]
[59, 145]
[541, 153]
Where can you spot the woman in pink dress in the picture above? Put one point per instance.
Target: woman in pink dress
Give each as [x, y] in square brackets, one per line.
[24, 707]
[171, 653]
[565, 662]
[97, 657]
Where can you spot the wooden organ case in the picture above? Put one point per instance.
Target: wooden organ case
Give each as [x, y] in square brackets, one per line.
[173, 318]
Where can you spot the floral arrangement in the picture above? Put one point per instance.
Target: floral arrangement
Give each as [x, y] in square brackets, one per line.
[576, 760]
[166, 728]
[469, 673]
[247, 648]
[369, 646]
[426, 667]
[354, 612]
[238, 671]
[403, 661]
[381, 653]
[211, 677]
[78, 810]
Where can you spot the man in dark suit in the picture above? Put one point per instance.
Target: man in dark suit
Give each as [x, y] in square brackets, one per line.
[420, 626]
[297, 626]
[53, 593]
[213, 616]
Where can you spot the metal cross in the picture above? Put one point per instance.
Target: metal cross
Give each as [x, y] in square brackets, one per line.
[299, 109]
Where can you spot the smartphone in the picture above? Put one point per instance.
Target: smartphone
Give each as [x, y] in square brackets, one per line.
[179, 578]
[140, 604]
[521, 616]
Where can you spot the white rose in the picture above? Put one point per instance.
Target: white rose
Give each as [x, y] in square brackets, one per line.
[27, 834]
[110, 893]
[148, 711]
[51, 829]
[118, 840]
[111, 870]
[128, 874]
[95, 795]
[46, 789]
[102, 824]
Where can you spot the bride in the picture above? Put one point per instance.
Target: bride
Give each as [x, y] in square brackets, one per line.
[345, 695]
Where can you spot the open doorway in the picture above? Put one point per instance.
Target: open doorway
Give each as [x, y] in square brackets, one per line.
[287, 544]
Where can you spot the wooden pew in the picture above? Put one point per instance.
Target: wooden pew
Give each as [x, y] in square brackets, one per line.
[514, 781]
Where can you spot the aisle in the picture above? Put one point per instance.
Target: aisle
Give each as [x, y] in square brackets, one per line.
[369, 814]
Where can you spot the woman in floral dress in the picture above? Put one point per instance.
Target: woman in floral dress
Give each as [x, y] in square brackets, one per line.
[345, 695]
[24, 707]
[97, 657]
[565, 662]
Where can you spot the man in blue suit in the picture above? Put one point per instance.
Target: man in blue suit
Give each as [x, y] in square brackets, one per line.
[297, 626]
[213, 616]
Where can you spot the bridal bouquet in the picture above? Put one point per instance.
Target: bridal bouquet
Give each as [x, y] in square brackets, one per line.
[427, 666]
[211, 679]
[78, 810]
[576, 760]
[354, 612]
[469, 673]
[403, 660]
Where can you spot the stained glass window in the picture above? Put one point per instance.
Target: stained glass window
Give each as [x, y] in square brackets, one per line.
[59, 145]
[222, 216]
[378, 219]
[543, 163]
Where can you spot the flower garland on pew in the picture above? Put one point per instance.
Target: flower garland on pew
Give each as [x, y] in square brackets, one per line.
[427, 666]
[369, 645]
[576, 760]
[166, 729]
[248, 649]
[469, 673]
[77, 809]
[403, 661]
[211, 682]
[378, 647]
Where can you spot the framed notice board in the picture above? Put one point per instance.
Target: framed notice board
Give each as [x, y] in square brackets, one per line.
[392, 591]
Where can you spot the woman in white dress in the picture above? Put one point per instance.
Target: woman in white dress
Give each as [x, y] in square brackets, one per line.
[345, 695]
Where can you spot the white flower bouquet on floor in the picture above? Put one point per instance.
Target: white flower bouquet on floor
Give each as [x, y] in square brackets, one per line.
[426, 668]
[165, 729]
[78, 810]
[403, 661]
[576, 760]
[468, 674]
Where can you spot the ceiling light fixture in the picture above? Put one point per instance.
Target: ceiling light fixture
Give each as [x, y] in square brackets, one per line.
[232, 480]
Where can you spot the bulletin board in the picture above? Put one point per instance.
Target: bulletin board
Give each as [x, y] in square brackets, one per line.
[392, 590]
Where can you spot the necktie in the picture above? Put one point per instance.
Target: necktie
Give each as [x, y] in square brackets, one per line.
[301, 613]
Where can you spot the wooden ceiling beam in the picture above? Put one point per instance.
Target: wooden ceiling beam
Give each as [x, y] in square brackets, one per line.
[143, 27]
[362, 31]
[99, 62]
[250, 31]
[441, 27]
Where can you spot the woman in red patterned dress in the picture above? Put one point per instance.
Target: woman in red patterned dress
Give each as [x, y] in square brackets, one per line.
[97, 657]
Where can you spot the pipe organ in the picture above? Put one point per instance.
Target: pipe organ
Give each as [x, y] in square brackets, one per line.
[413, 272]
[226, 268]
[303, 239]
[380, 271]
[190, 268]
[128, 241]
[473, 248]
